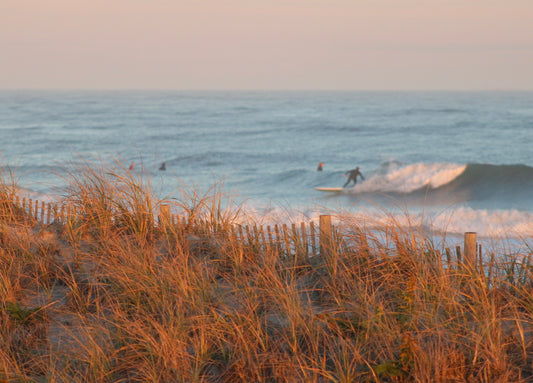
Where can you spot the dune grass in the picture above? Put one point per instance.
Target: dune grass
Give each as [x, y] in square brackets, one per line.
[111, 296]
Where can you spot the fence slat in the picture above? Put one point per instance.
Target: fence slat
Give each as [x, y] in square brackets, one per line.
[285, 232]
[295, 240]
[326, 240]
[278, 238]
[313, 237]
[269, 232]
[43, 208]
[448, 258]
[257, 241]
[262, 234]
[48, 213]
[62, 214]
[304, 239]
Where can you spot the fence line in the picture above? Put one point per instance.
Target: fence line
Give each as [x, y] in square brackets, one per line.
[301, 240]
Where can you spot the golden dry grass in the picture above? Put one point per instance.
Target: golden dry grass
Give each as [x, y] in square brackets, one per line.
[110, 296]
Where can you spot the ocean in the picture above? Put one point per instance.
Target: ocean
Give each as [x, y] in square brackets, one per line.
[448, 161]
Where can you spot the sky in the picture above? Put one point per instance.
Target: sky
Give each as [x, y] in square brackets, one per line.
[267, 44]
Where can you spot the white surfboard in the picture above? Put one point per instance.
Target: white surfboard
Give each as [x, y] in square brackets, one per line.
[330, 190]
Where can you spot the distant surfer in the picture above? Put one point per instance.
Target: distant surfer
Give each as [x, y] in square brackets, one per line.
[131, 166]
[352, 176]
[320, 167]
[163, 166]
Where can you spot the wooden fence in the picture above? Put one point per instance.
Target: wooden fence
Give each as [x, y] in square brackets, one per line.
[304, 239]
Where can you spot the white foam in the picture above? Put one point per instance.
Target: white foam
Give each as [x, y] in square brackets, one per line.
[407, 178]
[453, 221]
[497, 223]
[494, 224]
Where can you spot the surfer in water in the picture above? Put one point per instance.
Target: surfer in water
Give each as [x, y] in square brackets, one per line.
[163, 166]
[352, 176]
[320, 167]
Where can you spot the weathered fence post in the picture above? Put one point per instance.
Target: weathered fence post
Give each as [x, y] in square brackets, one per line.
[470, 252]
[326, 239]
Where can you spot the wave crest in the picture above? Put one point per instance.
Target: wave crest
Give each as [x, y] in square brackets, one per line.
[394, 177]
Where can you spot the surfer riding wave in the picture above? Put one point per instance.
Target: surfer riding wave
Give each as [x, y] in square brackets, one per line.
[352, 176]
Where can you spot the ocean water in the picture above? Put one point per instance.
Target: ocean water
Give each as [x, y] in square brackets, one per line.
[449, 161]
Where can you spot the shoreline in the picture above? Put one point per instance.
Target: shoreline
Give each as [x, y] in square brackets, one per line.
[492, 226]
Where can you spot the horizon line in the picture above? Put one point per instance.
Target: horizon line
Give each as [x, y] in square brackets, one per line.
[132, 89]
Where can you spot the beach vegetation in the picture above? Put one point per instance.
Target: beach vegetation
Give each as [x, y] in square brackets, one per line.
[114, 293]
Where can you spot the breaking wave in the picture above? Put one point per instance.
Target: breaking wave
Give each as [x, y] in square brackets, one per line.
[500, 185]
[408, 178]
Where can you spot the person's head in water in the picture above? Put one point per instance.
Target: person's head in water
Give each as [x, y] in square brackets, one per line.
[320, 166]
[163, 166]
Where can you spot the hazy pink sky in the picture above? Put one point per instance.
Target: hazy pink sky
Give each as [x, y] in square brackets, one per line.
[267, 44]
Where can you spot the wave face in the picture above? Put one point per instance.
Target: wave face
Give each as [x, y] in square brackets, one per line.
[495, 182]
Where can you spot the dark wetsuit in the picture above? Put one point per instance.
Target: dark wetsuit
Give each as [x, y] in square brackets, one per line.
[352, 176]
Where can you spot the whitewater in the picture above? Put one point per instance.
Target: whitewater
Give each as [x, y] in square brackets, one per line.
[446, 161]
